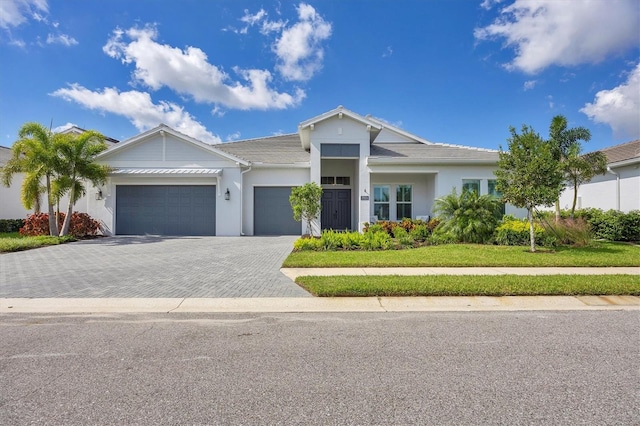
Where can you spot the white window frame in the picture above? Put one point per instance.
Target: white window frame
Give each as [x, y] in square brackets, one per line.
[387, 202]
[467, 181]
[402, 202]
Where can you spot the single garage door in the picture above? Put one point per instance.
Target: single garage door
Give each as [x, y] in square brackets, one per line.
[166, 209]
[272, 214]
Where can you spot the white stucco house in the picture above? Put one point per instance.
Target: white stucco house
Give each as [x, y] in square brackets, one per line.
[618, 189]
[10, 205]
[164, 182]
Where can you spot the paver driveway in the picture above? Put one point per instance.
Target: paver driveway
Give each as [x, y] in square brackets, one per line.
[152, 267]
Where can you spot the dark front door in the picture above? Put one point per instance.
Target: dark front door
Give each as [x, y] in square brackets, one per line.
[336, 209]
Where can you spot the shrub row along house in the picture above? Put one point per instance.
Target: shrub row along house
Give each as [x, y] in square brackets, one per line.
[164, 182]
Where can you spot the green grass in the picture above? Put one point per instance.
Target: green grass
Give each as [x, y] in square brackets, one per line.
[13, 241]
[471, 285]
[459, 255]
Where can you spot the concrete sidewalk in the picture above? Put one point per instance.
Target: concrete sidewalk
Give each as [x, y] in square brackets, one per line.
[342, 304]
[293, 273]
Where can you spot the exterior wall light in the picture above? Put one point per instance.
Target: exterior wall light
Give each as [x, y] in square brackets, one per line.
[99, 194]
[227, 195]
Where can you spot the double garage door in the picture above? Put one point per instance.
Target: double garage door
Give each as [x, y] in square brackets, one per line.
[166, 209]
[191, 210]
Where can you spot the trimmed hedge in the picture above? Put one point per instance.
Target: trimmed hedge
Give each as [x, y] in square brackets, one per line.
[11, 225]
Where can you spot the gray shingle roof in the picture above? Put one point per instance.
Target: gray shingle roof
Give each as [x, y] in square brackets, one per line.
[625, 151]
[283, 149]
[432, 152]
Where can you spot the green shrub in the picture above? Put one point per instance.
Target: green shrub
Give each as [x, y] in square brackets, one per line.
[420, 233]
[439, 238]
[515, 232]
[375, 227]
[468, 217]
[305, 244]
[11, 225]
[631, 226]
[376, 241]
[331, 240]
[351, 240]
[403, 237]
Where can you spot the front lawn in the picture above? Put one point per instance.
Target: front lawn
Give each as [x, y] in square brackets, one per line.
[470, 285]
[13, 241]
[460, 255]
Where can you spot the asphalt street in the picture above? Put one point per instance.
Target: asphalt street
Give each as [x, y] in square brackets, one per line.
[333, 368]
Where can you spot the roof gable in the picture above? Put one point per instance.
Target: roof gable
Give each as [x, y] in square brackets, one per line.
[163, 143]
[307, 126]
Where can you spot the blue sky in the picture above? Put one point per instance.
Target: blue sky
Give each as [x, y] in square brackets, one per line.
[457, 72]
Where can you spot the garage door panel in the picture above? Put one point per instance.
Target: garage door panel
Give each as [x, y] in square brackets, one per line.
[272, 212]
[165, 209]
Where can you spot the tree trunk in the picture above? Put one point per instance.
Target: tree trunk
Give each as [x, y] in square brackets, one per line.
[532, 234]
[67, 219]
[575, 200]
[53, 223]
[557, 210]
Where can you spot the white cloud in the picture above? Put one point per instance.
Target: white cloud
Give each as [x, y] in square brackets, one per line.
[63, 127]
[530, 84]
[188, 72]
[272, 26]
[488, 4]
[233, 137]
[61, 39]
[387, 52]
[17, 42]
[299, 48]
[139, 109]
[250, 19]
[16, 12]
[618, 107]
[565, 33]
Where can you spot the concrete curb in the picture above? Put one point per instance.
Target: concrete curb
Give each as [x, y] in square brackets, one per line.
[293, 273]
[343, 304]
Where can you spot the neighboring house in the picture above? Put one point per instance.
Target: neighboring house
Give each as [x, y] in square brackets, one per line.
[10, 204]
[165, 182]
[618, 189]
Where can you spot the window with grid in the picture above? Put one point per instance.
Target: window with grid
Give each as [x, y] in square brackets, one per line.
[381, 201]
[471, 185]
[403, 202]
[493, 190]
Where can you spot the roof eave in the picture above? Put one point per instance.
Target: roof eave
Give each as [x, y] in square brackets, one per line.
[433, 161]
[627, 162]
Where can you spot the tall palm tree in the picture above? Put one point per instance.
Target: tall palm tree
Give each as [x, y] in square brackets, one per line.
[34, 154]
[579, 169]
[77, 165]
[565, 140]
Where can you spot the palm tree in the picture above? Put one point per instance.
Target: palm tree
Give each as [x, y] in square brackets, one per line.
[565, 140]
[77, 165]
[579, 169]
[34, 154]
[469, 217]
